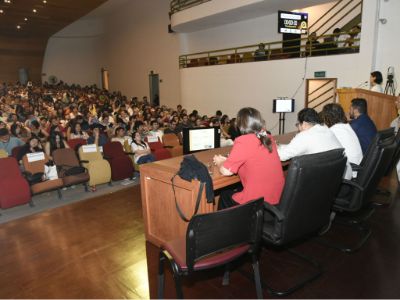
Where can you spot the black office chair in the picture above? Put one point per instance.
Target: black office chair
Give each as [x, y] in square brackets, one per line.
[305, 206]
[396, 156]
[354, 202]
[212, 240]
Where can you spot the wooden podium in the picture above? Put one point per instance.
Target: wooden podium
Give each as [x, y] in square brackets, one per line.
[161, 219]
[381, 107]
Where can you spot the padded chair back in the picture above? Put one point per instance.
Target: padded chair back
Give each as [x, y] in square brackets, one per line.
[311, 185]
[374, 168]
[211, 233]
[396, 155]
[90, 156]
[9, 168]
[15, 151]
[3, 153]
[36, 166]
[171, 140]
[113, 149]
[75, 143]
[65, 157]
[380, 136]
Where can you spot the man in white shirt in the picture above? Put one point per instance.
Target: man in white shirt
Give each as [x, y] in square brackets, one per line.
[312, 138]
[155, 131]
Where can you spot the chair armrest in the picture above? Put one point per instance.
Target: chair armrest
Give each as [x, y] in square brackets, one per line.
[168, 146]
[355, 167]
[353, 184]
[84, 161]
[275, 211]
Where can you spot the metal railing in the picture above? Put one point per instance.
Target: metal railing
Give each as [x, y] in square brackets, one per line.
[178, 5]
[273, 50]
[323, 94]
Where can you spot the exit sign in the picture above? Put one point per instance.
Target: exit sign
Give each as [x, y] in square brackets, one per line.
[319, 74]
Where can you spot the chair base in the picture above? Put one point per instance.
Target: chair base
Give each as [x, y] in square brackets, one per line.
[282, 293]
[365, 233]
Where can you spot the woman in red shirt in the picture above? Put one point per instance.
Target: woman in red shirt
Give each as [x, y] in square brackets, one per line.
[255, 159]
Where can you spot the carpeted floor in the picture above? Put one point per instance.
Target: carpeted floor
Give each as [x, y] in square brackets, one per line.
[49, 200]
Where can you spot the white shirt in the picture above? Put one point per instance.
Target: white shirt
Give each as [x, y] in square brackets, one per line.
[136, 147]
[395, 124]
[122, 140]
[377, 88]
[341, 40]
[349, 140]
[159, 134]
[314, 140]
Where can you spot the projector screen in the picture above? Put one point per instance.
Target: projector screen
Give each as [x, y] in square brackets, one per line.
[283, 105]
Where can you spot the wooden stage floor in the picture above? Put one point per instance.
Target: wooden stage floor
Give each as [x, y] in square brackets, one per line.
[96, 249]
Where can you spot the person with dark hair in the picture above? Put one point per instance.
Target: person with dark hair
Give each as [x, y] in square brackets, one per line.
[141, 150]
[361, 123]
[375, 81]
[7, 142]
[233, 130]
[334, 117]
[255, 159]
[56, 141]
[312, 137]
[32, 146]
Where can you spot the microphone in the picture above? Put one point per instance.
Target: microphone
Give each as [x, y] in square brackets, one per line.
[363, 84]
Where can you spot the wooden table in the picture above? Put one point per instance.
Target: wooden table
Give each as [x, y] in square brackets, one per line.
[162, 222]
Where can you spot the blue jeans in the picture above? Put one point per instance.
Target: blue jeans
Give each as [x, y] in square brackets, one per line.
[145, 159]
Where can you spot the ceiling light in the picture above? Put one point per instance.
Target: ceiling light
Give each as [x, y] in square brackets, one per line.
[1, 11]
[44, 1]
[7, 1]
[18, 27]
[25, 19]
[34, 10]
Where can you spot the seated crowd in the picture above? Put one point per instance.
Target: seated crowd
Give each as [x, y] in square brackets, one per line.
[46, 118]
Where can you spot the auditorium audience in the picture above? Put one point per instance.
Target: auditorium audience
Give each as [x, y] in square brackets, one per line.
[56, 141]
[8, 142]
[361, 123]
[255, 159]
[312, 138]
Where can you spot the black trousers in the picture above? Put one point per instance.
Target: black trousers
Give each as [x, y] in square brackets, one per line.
[226, 200]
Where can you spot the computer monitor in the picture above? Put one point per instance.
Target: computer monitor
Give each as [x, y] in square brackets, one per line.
[283, 106]
[198, 139]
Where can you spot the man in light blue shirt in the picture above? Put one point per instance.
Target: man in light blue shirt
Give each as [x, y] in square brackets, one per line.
[7, 142]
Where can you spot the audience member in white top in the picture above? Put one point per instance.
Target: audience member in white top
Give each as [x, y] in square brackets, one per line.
[312, 138]
[341, 39]
[155, 131]
[334, 117]
[396, 124]
[141, 150]
[376, 80]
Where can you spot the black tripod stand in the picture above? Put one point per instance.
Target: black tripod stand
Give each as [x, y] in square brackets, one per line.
[389, 88]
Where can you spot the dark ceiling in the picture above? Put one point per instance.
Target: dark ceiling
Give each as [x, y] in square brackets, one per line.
[50, 17]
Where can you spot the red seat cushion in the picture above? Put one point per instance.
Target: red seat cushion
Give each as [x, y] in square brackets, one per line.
[177, 249]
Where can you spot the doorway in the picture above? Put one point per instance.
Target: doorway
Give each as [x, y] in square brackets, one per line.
[319, 92]
[154, 83]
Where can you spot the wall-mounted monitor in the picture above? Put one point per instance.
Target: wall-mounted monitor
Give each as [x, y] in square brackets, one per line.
[283, 106]
[292, 22]
[198, 139]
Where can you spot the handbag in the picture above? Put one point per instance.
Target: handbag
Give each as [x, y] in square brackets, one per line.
[71, 170]
[33, 178]
[191, 168]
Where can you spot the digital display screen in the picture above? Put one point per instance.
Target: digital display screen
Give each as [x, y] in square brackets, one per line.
[198, 139]
[291, 22]
[201, 139]
[283, 105]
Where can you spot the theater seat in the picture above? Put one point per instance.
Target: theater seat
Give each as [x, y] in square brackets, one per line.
[66, 159]
[171, 141]
[121, 164]
[158, 149]
[14, 189]
[76, 143]
[99, 169]
[38, 167]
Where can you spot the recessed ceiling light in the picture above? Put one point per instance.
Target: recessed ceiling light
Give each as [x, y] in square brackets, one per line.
[44, 1]
[25, 19]
[34, 10]
[7, 1]
[1, 11]
[18, 27]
